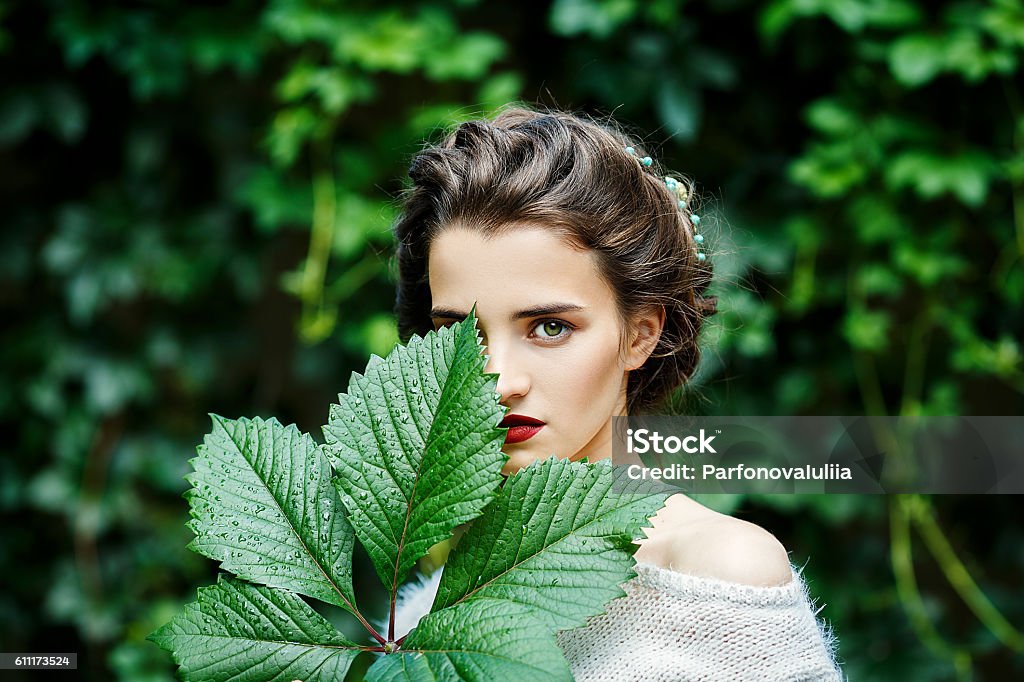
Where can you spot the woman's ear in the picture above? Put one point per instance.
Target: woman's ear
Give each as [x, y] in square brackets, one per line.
[646, 330]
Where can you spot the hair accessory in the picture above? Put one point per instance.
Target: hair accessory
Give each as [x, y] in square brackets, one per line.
[682, 196]
[647, 161]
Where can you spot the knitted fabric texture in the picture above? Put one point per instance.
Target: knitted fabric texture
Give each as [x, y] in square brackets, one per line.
[674, 627]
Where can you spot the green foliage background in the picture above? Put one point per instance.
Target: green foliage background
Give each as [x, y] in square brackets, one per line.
[197, 204]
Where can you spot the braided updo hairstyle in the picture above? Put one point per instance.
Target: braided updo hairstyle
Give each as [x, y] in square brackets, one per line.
[571, 174]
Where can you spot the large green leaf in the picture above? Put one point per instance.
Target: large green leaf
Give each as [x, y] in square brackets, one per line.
[416, 451]
[480, 641]
[558, 539]
[416, 445]
[263, 505]
[248, 633]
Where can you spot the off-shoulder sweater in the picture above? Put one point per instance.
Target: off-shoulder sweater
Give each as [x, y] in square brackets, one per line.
[672, 626]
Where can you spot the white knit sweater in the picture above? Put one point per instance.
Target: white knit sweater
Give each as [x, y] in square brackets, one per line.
[672, 627]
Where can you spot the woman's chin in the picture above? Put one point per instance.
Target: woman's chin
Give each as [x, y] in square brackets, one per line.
[517, 459]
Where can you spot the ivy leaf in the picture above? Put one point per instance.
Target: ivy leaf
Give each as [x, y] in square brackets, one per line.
[679, 106]
[263, 505]
[832, 117]
[558, 539]
[917, 58]
[467, 56]
[599, 19]
[497, 640]
[416, 446]
[867, 329]
[966, 175]
[248, 633]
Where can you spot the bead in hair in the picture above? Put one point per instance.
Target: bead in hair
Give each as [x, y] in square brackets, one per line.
[679, 189]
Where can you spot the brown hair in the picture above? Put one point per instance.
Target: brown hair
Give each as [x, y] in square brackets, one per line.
[572, 174]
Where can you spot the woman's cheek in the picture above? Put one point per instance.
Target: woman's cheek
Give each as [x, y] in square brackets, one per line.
[597, 375]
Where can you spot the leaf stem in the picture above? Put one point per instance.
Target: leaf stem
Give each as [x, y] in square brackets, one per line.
[1016, 199]
[917, 354]
[901, 556]
[373, 631]
[317, 321]
[391, 620]
[921, 512]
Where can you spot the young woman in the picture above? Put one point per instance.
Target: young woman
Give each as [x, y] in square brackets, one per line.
[589, 276]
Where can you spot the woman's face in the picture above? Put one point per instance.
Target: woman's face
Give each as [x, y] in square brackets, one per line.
[552, 331]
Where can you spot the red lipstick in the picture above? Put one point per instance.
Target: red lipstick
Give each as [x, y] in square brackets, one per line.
[520, 427]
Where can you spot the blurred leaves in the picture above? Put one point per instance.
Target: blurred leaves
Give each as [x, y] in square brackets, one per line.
[864, 160]
[967, 175]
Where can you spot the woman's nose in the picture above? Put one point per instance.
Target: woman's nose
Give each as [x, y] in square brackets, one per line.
[513, 382]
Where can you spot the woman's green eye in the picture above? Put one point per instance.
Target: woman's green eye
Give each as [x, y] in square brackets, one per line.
[552, 328]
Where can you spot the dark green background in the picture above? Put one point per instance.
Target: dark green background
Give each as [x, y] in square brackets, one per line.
[196, 213]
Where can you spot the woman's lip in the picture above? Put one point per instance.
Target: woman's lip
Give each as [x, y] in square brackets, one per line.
[517, 434]
[519, 420]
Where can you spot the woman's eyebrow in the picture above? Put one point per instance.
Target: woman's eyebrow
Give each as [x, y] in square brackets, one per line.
[535, 311]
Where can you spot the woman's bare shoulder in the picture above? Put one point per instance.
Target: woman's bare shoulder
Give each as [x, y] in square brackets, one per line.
[690, 538]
